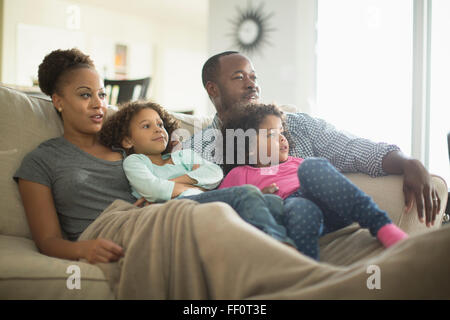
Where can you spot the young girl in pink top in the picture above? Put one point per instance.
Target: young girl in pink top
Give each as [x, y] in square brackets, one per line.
[316, 198]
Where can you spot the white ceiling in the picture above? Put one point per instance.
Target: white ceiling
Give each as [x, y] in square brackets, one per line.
[193, 12]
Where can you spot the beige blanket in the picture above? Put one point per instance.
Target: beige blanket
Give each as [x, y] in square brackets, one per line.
[185, 250]
[160, 250]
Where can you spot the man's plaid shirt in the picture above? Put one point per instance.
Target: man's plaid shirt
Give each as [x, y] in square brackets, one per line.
[311, 137]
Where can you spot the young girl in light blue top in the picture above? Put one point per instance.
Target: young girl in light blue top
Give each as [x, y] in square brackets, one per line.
[157, 183]
[143, 129]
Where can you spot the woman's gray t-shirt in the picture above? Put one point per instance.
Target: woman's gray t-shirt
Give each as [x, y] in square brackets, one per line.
[82, 185]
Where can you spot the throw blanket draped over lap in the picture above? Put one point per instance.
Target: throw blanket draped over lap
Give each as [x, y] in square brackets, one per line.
[185, 250]
[156, 240]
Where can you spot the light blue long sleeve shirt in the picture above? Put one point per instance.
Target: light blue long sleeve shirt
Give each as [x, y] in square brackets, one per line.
[152, 181]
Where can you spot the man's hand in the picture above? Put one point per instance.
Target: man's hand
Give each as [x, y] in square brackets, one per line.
[417, 186]
[272, 188]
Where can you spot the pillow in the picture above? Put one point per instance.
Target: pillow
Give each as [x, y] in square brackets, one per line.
[25, 122]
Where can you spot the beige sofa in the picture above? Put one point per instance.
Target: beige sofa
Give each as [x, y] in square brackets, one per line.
[27, 274]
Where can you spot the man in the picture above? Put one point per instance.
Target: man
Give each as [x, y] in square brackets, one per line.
[230, 81]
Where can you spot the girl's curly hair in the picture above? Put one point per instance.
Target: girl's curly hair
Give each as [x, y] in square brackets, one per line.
[117, 126]
[247, 117]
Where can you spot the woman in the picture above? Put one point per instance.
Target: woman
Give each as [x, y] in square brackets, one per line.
[68, 181]
[63, 180]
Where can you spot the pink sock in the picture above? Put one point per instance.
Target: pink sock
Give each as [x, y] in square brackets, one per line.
[390, 234]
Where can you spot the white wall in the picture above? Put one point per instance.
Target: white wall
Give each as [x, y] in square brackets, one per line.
[286, 66]
[181, 53]
[150, 43]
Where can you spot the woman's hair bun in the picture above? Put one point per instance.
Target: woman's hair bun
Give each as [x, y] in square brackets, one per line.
[57, 63]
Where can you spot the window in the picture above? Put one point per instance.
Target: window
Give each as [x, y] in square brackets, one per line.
[364, 68]
[439, 89]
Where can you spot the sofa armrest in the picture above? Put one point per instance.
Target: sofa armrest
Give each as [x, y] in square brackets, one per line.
[27, 274]
[387, 192]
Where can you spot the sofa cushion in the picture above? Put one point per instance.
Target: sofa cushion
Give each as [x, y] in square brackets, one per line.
[25, 122]
[27, 274]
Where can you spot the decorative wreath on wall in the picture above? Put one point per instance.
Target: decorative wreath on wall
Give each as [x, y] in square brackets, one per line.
[251, 29]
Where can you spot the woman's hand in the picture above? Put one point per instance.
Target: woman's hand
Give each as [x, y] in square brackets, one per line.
[272, 188]
[100, 250]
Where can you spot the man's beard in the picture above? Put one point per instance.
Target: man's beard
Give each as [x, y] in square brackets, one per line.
[229, 106]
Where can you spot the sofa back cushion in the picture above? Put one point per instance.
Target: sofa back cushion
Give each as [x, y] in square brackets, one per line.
[192, 123]
[25, 122]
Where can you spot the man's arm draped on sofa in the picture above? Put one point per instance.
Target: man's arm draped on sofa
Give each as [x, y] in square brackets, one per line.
[230, 81]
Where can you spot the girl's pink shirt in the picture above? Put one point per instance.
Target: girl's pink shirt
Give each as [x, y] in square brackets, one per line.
[283, 174]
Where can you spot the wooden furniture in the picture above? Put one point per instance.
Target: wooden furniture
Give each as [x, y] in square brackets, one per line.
[121, 91]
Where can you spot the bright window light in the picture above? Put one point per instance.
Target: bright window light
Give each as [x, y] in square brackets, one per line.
[364, 68]
[440, 89]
